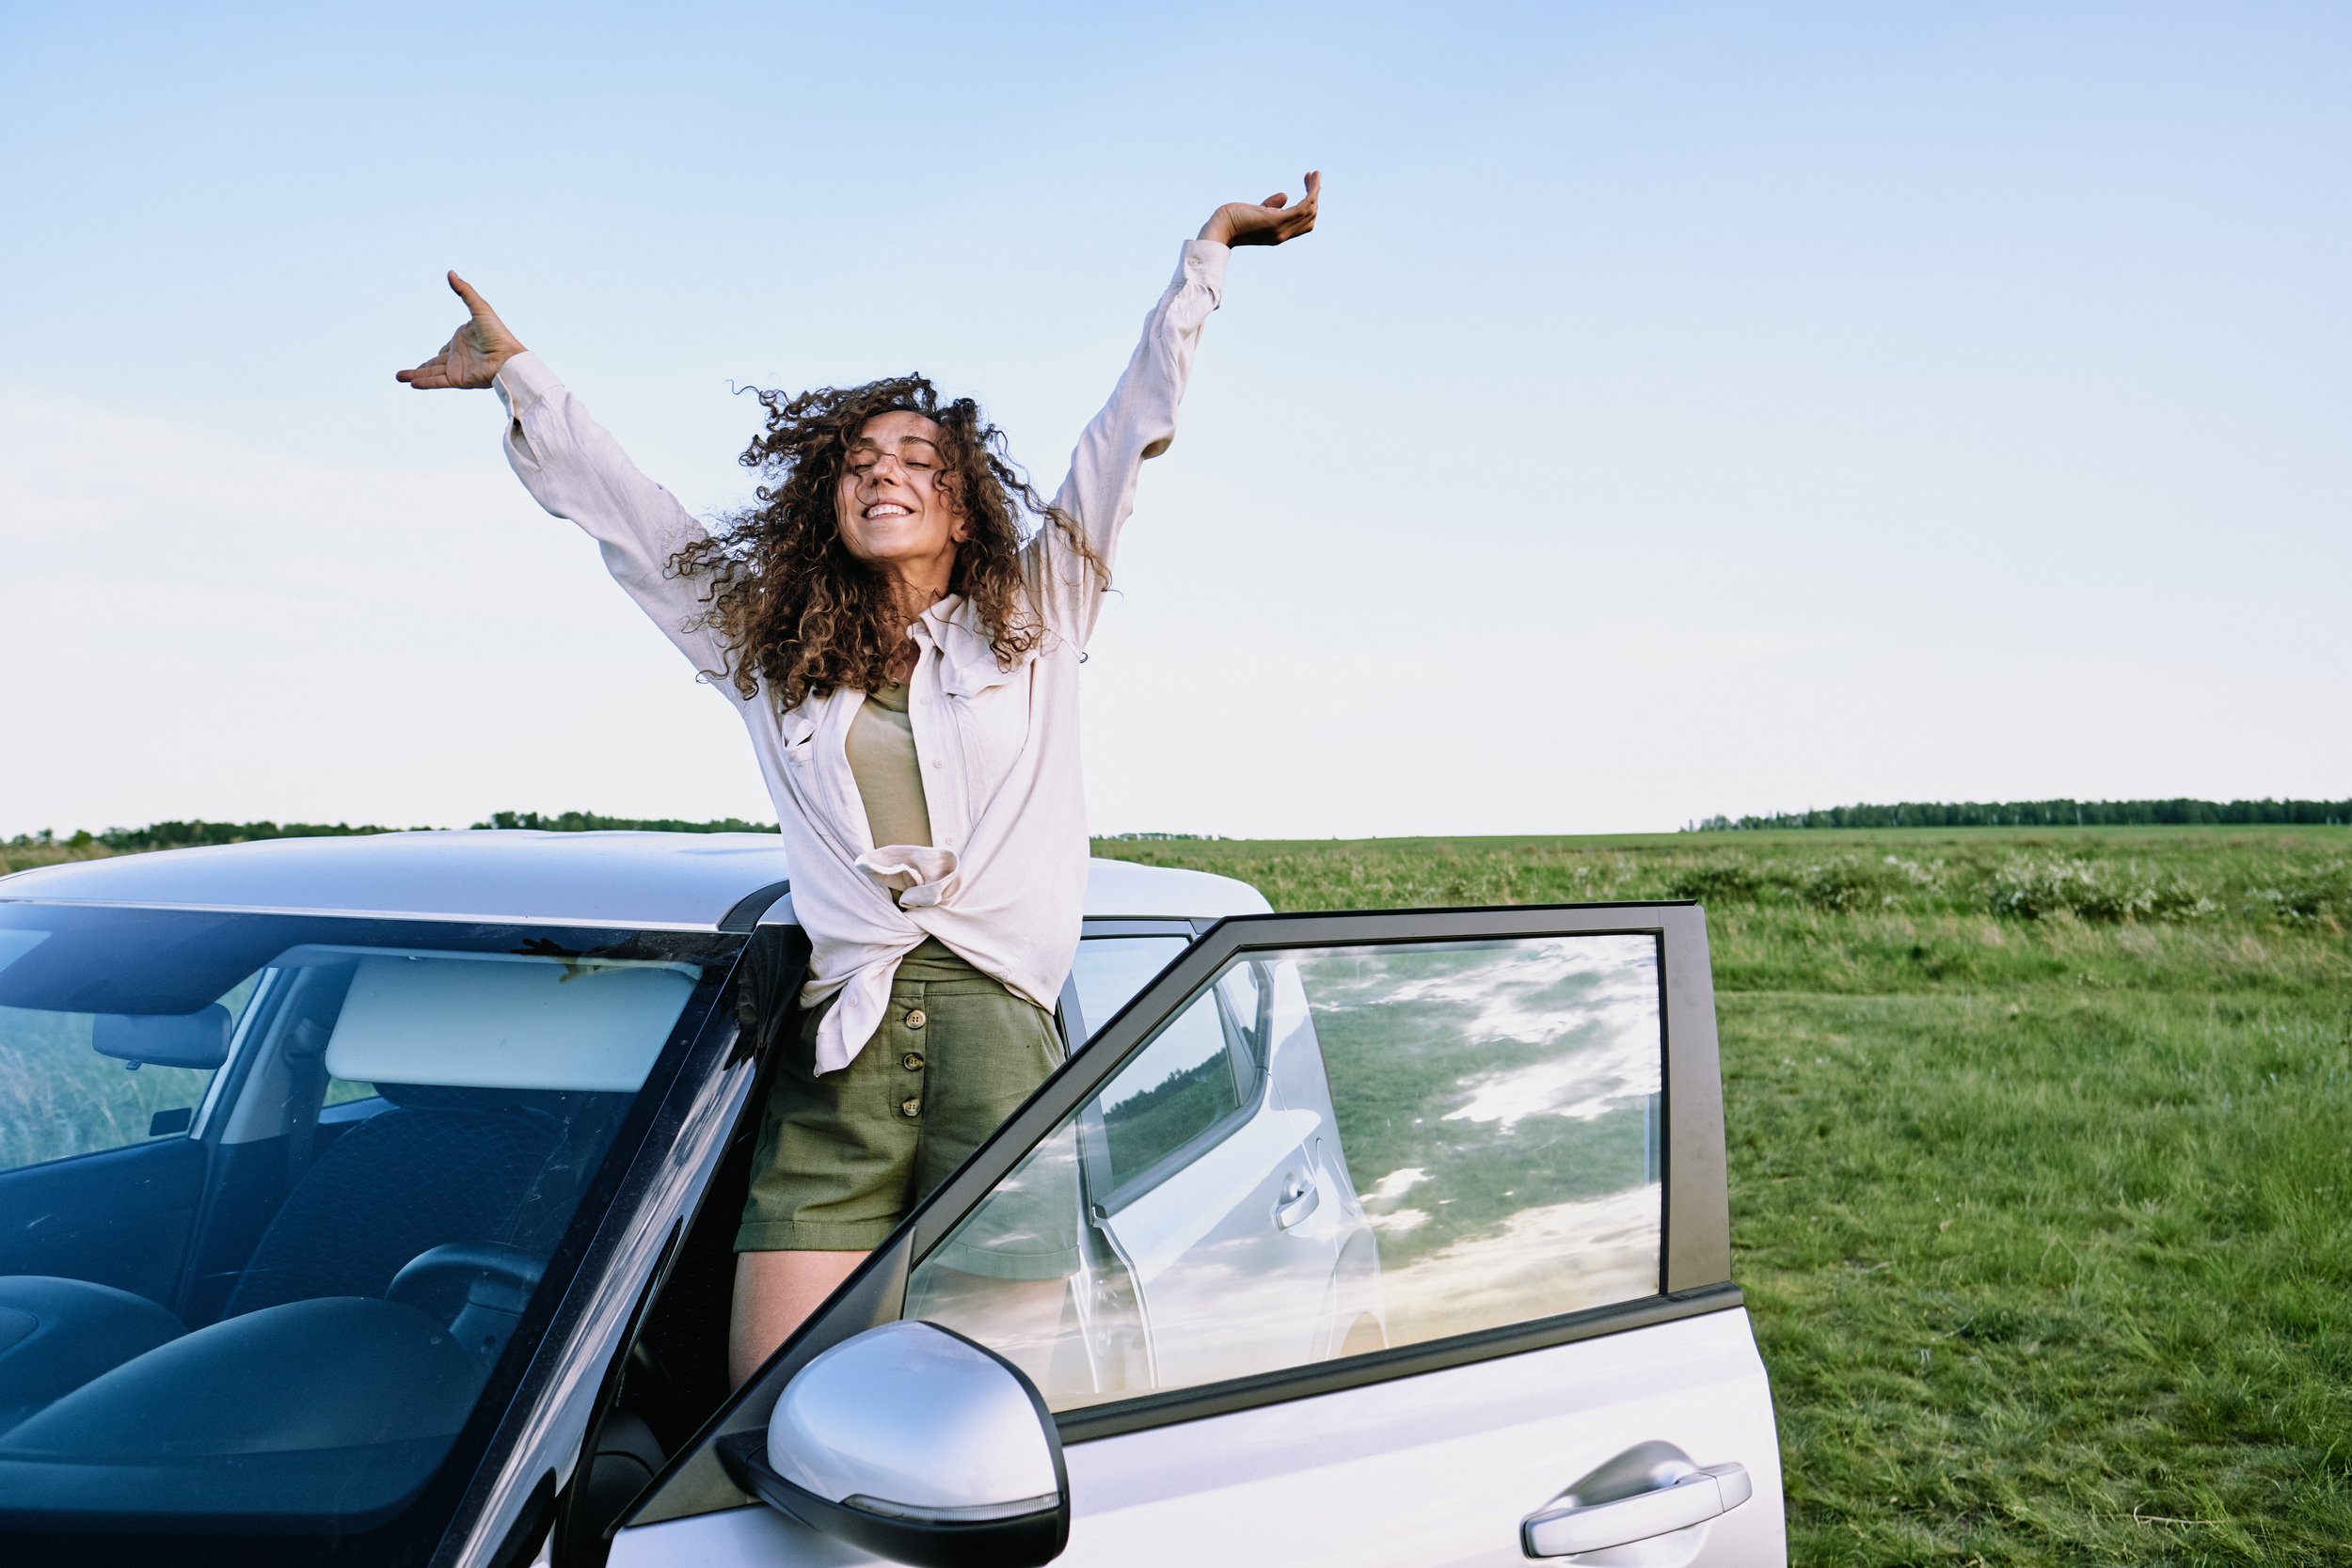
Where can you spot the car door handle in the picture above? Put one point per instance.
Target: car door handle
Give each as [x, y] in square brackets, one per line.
[1298, 1200]
[1692, 1500]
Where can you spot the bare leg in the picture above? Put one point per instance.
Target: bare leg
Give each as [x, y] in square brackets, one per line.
[773, 1292]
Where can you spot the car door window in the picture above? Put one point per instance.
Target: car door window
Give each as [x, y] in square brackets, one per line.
[62, 1095]
[343, 1091]
[1108, 971]
[1450, 1138]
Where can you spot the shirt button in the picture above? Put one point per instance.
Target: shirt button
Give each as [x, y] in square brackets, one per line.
[915, 1018]
[911, 1061]
[910, 1108]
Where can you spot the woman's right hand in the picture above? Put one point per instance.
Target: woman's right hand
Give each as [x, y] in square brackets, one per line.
[1271, 221]
[474, 352]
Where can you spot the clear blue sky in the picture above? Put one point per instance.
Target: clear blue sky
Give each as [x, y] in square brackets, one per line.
[1681, 408]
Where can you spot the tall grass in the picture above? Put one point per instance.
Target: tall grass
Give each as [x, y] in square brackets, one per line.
[24, 853]
[2039, 1163]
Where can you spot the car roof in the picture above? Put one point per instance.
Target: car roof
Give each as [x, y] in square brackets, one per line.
[526, 876]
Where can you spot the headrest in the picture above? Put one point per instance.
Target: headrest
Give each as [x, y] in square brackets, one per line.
[500, 1022]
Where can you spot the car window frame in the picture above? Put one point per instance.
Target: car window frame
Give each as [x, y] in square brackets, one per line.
[1252, 1036]
[1694, 1244]
[1078, 1031]
[1696, 1250]
[220, 1095]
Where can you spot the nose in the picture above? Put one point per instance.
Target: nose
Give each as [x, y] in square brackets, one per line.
[874, 476]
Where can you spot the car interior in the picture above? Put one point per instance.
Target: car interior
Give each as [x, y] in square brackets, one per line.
[395, 1150]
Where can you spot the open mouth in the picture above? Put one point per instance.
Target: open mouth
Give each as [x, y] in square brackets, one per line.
[884, 509]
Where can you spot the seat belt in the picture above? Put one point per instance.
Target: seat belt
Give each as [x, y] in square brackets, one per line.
[306, 1090]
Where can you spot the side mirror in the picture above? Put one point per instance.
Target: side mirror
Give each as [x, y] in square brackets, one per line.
[917, 1445]
[197, 1039]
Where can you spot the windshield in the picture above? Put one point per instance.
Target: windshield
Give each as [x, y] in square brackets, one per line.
[285, 1201]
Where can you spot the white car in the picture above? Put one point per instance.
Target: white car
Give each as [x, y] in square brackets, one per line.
[370, 1200]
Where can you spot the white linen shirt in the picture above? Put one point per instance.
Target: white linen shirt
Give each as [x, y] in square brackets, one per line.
[1004, 881]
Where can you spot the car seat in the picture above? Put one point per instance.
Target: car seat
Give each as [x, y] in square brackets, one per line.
[441, 1168]
[441, 1165]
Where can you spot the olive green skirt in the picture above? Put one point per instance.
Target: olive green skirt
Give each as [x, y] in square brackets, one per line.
[844, 1156]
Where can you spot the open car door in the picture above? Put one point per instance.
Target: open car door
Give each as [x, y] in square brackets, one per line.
[1395, 1239]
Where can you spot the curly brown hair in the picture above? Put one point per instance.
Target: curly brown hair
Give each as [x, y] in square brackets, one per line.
[790, 603]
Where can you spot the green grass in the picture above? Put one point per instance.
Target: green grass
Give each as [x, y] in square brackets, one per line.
[2038, 1172]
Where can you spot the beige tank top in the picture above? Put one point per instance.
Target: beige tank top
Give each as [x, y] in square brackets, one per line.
[889, 775]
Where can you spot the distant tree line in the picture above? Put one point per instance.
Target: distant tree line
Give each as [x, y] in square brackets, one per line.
[589, 822]
[2049, 813]
[185, 835]
[1160, 838]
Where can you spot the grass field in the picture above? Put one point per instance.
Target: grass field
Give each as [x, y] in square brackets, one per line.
[2039, 1165]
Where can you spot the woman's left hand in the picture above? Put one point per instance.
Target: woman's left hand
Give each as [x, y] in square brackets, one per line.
[1268, 222]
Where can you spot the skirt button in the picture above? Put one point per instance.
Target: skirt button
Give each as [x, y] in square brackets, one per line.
[910, 1108]
[915, 1018]
[911, 1061]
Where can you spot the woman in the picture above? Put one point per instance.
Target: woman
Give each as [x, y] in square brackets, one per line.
[906, 661]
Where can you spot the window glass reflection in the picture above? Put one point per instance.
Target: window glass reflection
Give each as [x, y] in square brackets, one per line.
[1335, 1150]
[1176, 1088]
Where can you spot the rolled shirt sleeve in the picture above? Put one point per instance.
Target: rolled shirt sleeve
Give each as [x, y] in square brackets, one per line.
[579, 472]
[1138, 422]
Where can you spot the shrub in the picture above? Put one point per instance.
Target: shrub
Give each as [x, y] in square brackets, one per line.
[1841, 886]
[1716, 884]
[2311, 894]
[2031, 887]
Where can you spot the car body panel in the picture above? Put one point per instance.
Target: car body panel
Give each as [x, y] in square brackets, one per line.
[1435, 1469]
[1408, 1473]
[500, 876]
[528, 876]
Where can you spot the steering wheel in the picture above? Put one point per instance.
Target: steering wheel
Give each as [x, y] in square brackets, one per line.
[443, 1281]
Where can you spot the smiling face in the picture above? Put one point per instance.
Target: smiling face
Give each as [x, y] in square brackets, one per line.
[890, 504]
[870, 515]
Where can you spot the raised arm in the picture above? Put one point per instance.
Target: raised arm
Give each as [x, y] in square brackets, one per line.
[1140, 420]
[572, 468]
